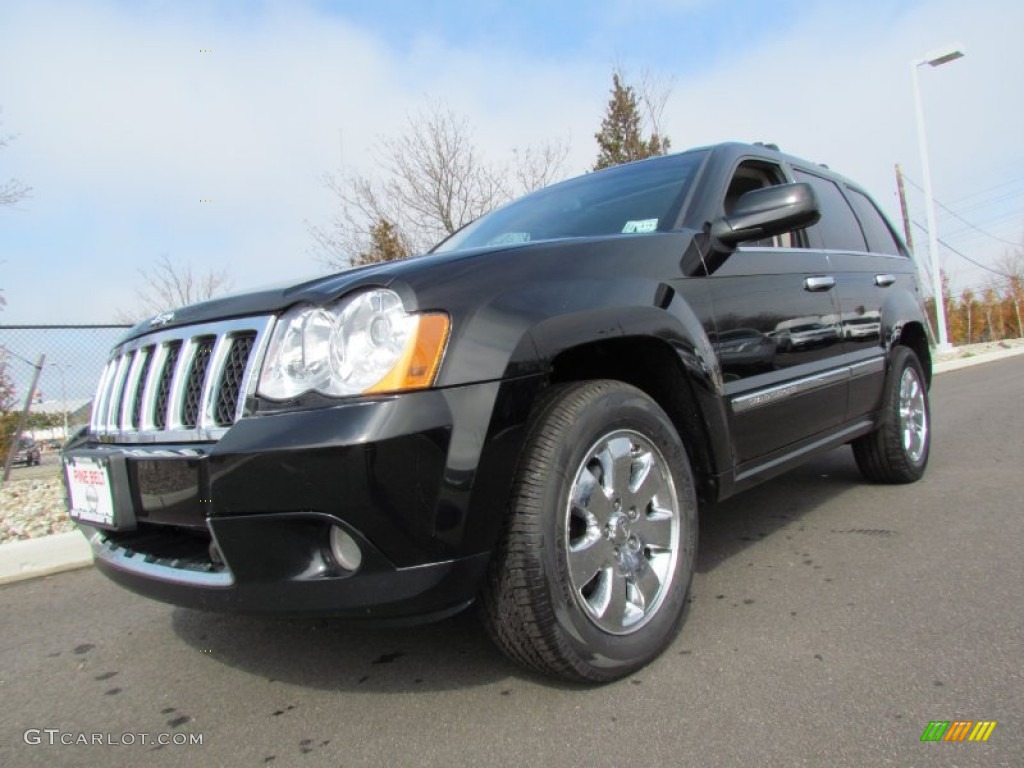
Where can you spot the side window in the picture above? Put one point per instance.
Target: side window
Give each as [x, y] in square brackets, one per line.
[876, 228]
[838, 229]
[748, 176]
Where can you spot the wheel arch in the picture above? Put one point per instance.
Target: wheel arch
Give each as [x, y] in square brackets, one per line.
[914, 336]
[652, 365]
[904, 324]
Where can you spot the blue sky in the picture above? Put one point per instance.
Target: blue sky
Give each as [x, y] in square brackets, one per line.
[124, 126]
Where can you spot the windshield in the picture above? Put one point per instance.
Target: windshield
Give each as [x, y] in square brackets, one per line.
[628, 199]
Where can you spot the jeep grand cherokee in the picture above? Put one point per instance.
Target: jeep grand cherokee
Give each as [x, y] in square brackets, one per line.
[524, 418]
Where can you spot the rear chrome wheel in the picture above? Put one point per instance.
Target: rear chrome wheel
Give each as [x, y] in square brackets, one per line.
[913, 415]
[897, 451]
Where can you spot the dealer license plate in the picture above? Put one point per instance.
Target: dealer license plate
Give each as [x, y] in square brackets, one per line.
[89, 489]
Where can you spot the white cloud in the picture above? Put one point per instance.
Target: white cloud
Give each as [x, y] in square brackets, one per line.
[837, 89]
[125, 125]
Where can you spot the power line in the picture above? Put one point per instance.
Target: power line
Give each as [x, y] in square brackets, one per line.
[1011, 186]
[983, 288]
[962, 255]
[956, 215]
[970, 196]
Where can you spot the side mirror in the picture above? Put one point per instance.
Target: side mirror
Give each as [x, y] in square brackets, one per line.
[767, 212]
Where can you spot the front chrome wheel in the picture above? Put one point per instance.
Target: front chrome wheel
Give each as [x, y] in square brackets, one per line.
[622, 532]
[591, 577]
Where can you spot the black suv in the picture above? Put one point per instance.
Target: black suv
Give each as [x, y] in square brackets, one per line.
[525, 417]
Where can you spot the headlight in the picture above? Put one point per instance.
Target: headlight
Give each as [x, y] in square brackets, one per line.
[365, 343]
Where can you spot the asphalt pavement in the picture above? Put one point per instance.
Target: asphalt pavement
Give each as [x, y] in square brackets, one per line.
[831, 622]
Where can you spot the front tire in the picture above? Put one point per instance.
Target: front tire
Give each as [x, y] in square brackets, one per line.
[591, 577]
[897, 451]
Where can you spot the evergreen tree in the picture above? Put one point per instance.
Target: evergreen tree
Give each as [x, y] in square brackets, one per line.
[620, 139]
[385, 245]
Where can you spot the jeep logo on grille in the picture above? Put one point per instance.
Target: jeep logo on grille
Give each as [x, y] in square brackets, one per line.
[162, 319]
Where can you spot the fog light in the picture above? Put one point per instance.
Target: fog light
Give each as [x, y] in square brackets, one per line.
[345, 550]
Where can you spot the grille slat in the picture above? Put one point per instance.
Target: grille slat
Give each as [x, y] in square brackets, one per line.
[113, 418]
[163, 387]
[140, 388]
[183, 384]
[196, 380]
[230, 386]
[99, 407]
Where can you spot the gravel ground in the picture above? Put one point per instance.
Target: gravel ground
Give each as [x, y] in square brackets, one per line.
[34, 507]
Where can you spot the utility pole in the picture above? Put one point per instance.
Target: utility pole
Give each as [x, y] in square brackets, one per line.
[903, 208]
[23, 418]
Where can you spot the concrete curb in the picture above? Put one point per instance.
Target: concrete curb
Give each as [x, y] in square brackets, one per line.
[985, 357]
[28, 559]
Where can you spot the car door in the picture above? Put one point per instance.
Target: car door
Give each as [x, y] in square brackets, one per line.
[867, 283]
[777, 334]
[867, 263]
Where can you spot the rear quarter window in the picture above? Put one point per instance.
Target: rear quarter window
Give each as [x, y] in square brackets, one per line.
[838, 229]
[879, 234]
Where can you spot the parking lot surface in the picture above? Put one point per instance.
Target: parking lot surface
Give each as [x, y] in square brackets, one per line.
[830, 622]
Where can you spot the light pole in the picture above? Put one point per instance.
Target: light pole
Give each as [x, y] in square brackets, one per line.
[63, 397]
[933, 60]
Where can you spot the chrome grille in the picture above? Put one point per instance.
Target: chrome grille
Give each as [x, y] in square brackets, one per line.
[182, 384]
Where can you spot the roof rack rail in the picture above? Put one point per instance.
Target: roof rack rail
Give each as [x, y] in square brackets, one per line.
[766, 145]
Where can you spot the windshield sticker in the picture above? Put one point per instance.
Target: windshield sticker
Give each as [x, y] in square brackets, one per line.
[641, 225]
[510, 238]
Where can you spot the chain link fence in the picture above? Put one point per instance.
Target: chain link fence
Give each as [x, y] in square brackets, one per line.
[73, 358]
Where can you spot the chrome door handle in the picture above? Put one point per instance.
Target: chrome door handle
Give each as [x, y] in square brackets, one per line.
[819, 283]
[884, 280]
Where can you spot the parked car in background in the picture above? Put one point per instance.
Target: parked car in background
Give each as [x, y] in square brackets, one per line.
[27, 453]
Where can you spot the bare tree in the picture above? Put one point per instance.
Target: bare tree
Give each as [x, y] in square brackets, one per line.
[169, 285]
[1011, 265]
[537, 166]
[350, 233]
[430, 181]
[8, 392]
[653, 92]
[12, 191]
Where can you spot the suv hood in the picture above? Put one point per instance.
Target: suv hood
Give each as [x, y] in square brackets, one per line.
[276, 299]
[431, 271]
[316, 291]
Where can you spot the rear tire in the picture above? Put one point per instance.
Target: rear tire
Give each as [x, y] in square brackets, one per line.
[897, 451]
[591, 577]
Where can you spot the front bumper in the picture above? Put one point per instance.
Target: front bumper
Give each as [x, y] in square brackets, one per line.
[377, 591]
[243, 524]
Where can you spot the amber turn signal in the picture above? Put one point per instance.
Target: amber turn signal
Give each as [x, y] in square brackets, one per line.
[421, 359]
